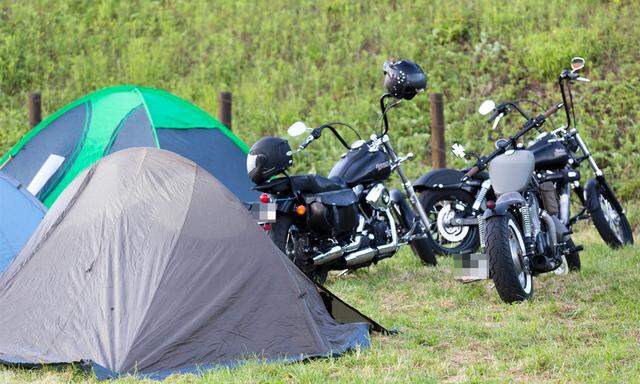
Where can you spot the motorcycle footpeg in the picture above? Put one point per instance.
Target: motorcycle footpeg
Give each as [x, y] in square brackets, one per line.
[577, 248]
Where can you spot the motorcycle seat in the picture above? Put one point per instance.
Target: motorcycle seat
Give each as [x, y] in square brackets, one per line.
[317, 183]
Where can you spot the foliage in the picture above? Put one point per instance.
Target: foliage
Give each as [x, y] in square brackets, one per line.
[319, 61]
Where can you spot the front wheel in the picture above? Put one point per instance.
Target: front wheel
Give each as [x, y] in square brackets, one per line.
[421, 248]
[505, 249]
[282, 235]
[612, 225]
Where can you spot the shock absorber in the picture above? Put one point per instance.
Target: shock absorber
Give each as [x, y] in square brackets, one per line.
[482, 231]
[525, 212]
[481, 194]
[526, 220]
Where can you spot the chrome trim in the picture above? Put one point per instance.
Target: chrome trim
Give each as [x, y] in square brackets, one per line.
[368, 254]
[337, 251]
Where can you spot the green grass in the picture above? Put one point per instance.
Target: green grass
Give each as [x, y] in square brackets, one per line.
[580, 328]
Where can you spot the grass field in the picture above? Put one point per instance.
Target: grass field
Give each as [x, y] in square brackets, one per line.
[580, 328]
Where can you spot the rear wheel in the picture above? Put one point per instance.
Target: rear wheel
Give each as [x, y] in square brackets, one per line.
[611, 224]
[282, 235]
[506, 250]
[440, 207]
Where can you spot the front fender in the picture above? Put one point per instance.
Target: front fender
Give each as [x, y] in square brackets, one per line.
[436, 178]
[406, 213]
[591, 191]
[504, 204]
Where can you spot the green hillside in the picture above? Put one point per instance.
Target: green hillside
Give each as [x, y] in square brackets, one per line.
[320, 61]
[287, 60]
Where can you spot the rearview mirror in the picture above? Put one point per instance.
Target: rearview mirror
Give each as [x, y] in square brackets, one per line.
[577, 63]
[297, 129]
[486, 107]
[458, 150]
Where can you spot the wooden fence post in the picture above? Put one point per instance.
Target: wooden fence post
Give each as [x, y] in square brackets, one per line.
[224, 108]
[35, 109]
[438, 151]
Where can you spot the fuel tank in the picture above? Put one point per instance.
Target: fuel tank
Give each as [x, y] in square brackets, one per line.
[549, 153]
[362, 166]
[511, 172]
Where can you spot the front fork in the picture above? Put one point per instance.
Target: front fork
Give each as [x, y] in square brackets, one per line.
[408, 186]
[597, 171]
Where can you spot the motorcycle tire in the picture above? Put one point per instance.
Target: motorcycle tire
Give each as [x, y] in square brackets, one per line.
[612, 225]
[512, 281]
[279, 234]
[430, 200]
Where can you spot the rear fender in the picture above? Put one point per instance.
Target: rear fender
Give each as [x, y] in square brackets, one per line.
[511, 200]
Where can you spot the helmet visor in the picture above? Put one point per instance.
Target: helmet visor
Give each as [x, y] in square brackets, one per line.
[251, 162]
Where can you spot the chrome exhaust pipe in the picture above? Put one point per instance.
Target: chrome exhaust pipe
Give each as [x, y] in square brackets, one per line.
[366, 255]
[337, 251]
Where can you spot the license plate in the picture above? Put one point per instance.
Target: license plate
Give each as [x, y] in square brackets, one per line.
[470, 266]
[263, 213]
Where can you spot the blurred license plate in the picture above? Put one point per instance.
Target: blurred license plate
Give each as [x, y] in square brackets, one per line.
[263, 213]
[470, 266]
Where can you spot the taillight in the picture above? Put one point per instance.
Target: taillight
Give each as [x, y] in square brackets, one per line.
[301, 210]
[491, 204]
[266, 226]
[265, 198]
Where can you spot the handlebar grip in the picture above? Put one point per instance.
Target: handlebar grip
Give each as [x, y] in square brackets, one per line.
[552, 110]
[493, 116]
[472, 171]
[306, 142]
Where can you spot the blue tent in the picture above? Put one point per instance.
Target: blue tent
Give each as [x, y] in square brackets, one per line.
[20, 214]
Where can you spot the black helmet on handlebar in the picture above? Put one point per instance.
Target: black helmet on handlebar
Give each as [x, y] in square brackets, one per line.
[268, 157]
[404, 79]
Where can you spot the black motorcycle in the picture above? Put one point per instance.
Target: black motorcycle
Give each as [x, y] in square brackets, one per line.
[349, 219]
[453, 206]
[519, 236]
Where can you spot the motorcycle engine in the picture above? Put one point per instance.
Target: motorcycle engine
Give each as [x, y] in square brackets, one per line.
[380, 231]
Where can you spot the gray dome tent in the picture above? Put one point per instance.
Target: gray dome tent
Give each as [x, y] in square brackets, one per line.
[146, 264]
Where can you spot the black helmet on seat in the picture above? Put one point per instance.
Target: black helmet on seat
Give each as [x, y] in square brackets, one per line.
[268, 157]
[404, 79]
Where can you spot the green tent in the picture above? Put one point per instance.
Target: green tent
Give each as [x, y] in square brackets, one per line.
[47, 158]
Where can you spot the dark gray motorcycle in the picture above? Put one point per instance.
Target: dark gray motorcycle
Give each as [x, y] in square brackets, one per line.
[349, 219]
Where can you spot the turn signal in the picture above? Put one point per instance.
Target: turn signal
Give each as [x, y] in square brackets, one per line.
[491, 204]
[264, 198]
[301, 210]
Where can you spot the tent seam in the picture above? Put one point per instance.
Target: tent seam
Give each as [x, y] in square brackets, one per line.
[171, 255]
[146, 109]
